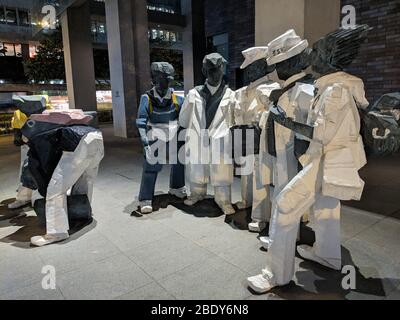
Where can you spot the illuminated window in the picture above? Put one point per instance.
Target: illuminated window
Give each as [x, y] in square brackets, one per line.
[164, 36]
[32, 51]
[11, 49]
[167, 6]
[18, 50]
[101, 28]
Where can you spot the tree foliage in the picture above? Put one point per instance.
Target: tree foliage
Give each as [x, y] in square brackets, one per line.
[48, 64]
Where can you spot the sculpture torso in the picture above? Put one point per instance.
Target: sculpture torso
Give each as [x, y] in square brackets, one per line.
[212, 101]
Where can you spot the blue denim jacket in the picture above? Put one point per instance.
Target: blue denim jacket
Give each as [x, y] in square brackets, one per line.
[151, 110]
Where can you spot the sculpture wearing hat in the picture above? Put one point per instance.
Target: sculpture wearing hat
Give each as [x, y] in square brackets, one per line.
[64, 156]
[205, 115]
[252, 101]
[330, 165]
[291, 55]
[157, 122]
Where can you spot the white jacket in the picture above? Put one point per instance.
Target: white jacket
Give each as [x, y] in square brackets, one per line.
[295, 102]
[204, 150]
[337, 140]
[253, 100]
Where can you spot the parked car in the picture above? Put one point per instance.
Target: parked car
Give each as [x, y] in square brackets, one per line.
[381, 125]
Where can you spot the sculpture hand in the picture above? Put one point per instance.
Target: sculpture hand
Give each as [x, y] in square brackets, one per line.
[147, 151]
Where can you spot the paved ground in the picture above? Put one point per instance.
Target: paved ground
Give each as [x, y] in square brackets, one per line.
[176, 253]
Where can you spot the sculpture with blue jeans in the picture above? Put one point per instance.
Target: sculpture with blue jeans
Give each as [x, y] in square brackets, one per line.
[158, 126]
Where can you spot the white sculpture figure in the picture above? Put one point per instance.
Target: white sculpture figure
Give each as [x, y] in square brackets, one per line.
[205, 114]
[291, 56]
[330, 165]
[26, 106]
[251, 102]
[70, 165]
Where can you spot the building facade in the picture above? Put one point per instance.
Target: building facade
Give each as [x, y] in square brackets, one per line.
[229, 29]
[378, 62]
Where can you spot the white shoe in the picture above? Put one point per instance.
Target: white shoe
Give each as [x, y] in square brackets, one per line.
[192, 200]
[307, 253]
[146, 207]
[18, 204]
[47, 239]
[259, 284]
[228, 210]
[179, 193]
[257, 226]
[266, 242]
[243, 205]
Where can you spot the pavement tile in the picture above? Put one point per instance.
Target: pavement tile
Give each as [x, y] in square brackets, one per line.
[210, 279]
[107, 279]
[168, 255]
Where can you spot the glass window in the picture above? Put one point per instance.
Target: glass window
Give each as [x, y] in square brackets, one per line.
[18, 50]
[10, 49]
[2, 15]
[32, 51]
[94, 27]
[220, 44]
[101, 28]
[23, 18]
[11, 16]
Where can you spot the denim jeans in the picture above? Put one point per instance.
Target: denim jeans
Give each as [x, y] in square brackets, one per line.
[149, 178]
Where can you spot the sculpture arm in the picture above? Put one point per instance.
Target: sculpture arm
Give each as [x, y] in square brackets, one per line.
[143, 119]
[186, 111]
[280, 117]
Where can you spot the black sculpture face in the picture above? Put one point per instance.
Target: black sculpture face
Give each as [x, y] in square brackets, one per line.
[162, 83]
[162, 75]
[214, 69]
[294, 65]
[257, 70]
[215, 76]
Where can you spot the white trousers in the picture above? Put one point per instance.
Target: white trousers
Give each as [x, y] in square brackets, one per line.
[301, 194]
[76, 170]
[255, 192]
[23, 193]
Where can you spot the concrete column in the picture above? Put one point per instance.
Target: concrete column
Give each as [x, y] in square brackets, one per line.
[276, 17]
[129, 54]
[194, 43]
[78, 56]
[25, 51]
[321, 17]
[309, 18]
[142, 47]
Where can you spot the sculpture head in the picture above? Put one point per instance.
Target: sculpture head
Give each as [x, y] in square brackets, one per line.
[214, 68]
[294, 65]
[255, 65]
[162, 74]
[290, 54]
[338, 49]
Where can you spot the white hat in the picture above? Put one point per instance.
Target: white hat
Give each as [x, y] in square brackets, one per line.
[253, 54]
[285, 47]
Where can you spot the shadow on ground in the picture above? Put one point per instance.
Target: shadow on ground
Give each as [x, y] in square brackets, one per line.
[29, 226]
[328, 285]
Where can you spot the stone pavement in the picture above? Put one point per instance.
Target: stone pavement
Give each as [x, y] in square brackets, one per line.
[176, 252]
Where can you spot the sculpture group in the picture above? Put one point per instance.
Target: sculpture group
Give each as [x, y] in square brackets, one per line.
[295, 143]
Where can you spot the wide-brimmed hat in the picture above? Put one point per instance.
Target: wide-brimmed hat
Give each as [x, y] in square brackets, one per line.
[254, 54]
[285, 47]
